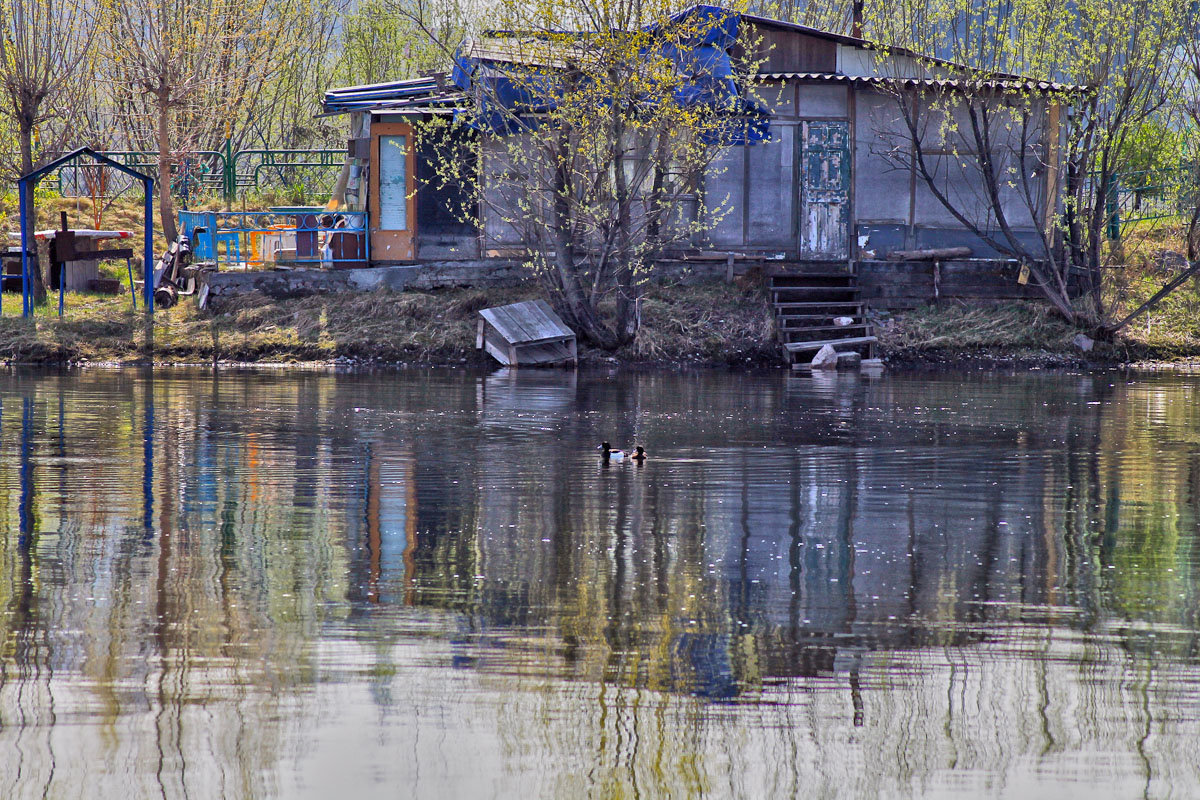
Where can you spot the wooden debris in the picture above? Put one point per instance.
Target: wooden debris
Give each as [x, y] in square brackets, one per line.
[933, 254]
[526, 334]
[799, 347]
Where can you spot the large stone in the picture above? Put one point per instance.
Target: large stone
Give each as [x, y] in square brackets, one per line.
[849, 360]
[1083, 342]
[826, 358]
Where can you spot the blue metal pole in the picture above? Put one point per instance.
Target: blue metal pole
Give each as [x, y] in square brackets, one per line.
[23, 201]
[148, 268]
[148, 456]
[25, 509]
[62, 285]
[132, 288]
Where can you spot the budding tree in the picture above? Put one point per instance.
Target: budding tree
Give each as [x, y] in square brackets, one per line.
[44, 44]
[1122, 55]
[596, 125]
[191, 70]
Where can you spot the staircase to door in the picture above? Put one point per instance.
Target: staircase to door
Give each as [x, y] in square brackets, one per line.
[816, 308]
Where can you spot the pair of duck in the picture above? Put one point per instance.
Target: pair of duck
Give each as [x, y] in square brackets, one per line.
[609, 454]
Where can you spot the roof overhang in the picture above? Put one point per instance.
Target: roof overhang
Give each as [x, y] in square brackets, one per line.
[1003, 84]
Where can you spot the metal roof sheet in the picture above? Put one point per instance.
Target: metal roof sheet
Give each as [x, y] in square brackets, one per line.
[1002, 84]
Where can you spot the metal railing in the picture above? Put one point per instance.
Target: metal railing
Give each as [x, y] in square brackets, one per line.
[213, 172]
[1149, 195]
[202, 171]
[285, 236]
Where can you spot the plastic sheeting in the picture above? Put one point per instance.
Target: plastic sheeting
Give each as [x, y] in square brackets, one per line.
[504, 103]
[505, 100]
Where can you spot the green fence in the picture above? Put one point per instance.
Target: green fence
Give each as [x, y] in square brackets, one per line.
[1150, 195]
[227, 173]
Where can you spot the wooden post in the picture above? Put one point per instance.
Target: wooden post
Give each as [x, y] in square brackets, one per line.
[479, 335]
[729, 268]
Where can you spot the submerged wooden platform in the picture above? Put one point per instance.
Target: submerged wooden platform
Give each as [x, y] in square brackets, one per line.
[526, 334]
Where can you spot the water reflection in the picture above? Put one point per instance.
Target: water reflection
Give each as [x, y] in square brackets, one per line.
[256, 584]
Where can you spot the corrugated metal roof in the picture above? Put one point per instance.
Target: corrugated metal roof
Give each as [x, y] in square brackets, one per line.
[429, 89]
[443, 91]
[1001, 84]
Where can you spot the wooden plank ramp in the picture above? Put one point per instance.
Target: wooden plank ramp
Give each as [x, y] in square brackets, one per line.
[526, 334]
[818, 305]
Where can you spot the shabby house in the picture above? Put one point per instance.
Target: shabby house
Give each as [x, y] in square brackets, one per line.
[831, 173]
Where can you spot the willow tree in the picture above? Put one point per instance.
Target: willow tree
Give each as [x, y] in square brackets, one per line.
[1189, 116]
[44, 46]
[1122, 56]
[189, 71]
[595, 126]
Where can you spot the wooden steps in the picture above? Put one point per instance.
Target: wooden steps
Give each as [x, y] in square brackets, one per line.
[800, 347]
[811, 305]
[808, 306]
[819, 331]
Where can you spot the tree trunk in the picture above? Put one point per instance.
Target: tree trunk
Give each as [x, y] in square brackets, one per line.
[25, 134]
[1193, 241]
[166, 209]
[627, 321]
[578, 307]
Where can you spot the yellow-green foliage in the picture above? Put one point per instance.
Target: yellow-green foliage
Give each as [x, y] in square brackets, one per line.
[606, 174]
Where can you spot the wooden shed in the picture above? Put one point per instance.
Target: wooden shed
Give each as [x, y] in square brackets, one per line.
[834, 182]
[526, 334]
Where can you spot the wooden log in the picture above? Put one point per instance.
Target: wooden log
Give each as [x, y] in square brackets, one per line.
[937, 253]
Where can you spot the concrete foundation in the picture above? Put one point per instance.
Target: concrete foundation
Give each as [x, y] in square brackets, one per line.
[889, 285]
[280, 283]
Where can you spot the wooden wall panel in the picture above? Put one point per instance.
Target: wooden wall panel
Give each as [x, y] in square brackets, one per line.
[792, 51]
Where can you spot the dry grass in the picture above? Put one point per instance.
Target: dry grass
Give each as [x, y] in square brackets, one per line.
[1011, 330]
[709, 323]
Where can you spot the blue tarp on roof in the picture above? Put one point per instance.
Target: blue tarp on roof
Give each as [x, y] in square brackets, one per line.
[703, 57]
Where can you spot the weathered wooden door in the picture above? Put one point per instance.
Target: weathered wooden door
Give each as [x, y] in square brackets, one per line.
[392, 195]
[825, 164]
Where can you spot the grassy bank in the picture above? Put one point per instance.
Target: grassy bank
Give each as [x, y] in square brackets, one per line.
[710, 324]
[1029, 333]
[703, 324]
[1012, 332]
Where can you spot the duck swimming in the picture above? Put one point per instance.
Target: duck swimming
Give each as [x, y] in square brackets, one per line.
[608, 454]
[639, 455]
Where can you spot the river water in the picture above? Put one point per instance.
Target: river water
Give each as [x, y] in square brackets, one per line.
[426, 584]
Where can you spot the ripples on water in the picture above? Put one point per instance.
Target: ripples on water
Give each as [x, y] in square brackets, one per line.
[426, 584]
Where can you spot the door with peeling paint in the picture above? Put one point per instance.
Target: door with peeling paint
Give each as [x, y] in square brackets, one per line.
[393, 194]
[825, 190]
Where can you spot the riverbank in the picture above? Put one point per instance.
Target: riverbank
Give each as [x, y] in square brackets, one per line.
[700, 324]
[706, 324]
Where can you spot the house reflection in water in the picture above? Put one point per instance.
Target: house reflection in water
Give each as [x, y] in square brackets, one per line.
[913, 574]
[713, 570]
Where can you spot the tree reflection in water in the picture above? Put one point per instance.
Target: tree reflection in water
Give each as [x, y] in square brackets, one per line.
[246, 584]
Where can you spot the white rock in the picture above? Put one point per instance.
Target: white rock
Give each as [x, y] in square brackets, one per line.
[826, 358]
[1083, 342]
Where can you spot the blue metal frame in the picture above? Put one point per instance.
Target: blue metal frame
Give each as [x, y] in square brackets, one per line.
[26, 185]
[208, 229]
